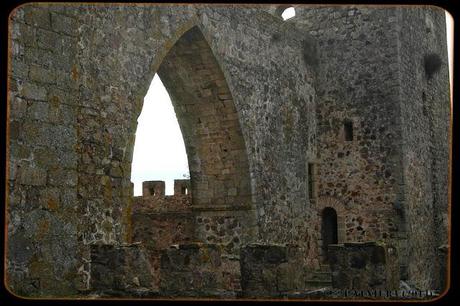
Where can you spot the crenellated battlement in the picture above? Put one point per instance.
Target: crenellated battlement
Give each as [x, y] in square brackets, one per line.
[153, 188]
[157, 188]
[154, 200]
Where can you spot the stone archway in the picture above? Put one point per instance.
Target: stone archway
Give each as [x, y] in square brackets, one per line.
[209, 123]
[215, 147]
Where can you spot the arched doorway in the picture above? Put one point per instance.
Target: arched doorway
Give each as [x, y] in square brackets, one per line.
[329, 233]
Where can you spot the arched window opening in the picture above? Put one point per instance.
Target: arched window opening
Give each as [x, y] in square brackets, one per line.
[348, 130]
[159, 151]
[329, 233]
[311, 173]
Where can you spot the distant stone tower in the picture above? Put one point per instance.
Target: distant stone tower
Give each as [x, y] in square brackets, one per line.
[383, 127]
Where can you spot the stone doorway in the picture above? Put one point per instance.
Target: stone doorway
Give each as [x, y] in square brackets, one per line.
[329, 232]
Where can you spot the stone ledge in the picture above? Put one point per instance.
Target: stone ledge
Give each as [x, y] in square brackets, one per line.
[221, 208]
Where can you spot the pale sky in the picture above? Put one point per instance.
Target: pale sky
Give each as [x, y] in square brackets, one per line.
[159, 151]
[288, 13]
[450, 48]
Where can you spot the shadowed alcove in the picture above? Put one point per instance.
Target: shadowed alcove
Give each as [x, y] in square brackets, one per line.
[328, 230]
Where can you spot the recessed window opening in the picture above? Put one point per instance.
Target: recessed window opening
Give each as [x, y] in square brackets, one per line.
[159, 151]
[348, 130]
[311, 181]
[184, 190]
[152, 191]
[288, 13]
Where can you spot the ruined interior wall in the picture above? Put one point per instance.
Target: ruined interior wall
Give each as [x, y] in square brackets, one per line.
[78, 78]
[357, 80]
[425, 120]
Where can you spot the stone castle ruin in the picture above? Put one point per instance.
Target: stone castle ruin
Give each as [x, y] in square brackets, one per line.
[318, 150]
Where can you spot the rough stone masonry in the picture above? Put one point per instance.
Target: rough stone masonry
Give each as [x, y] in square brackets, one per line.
[330, 127]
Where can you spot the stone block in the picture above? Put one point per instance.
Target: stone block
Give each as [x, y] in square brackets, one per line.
[38, 17]
[24, 33]
[60, 137]
[64, 24]
[119, 268]
[363, 266]
[18, 151]
[18, 108]
[28, 175]
[48, 40]
[39, 111]
[197, 269]
[270, 270]
[20, 70]
[41, 75]
[33, 91]
[49, 199]
[61, 177]
[15, 129]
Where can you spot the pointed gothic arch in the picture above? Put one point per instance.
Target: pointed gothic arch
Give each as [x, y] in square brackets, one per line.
[209, 122]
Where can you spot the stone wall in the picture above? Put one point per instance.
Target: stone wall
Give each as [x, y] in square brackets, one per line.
[364, 266]
[271, 270]
[198, 269]
[43, 211]
[119, 269]
[359, 177]
[390, 181]
[425, 113]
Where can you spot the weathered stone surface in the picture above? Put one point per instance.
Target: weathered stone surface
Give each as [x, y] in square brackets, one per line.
[31, 176]
[271, 270]
[364, 266]
[259, 100]
[197, 269]
[33, 92]
[383, 90]
[43, 254]
[119, 268]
